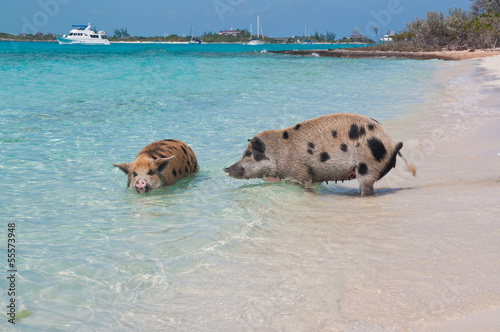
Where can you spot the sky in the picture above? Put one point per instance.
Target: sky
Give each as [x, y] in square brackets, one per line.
[279, 18]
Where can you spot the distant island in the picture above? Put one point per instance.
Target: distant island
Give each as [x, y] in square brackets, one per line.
[237, 36]
[460, 35]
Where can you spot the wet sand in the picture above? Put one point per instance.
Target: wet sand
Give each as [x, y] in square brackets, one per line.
[479, 153]
[464, 172]
[356, 54]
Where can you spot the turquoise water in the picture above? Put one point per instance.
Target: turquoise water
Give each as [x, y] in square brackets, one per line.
[94, 256]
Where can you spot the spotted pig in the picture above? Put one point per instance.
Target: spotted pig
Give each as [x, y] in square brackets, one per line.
[160, 163]
[333, 147]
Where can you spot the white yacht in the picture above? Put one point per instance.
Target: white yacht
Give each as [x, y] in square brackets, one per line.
[82, 34]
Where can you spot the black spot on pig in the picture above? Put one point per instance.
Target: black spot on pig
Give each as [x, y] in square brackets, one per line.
[311, 152]
[343, 147]
[311, 145]
[354, 132]
[377, 148]
[334, 133]
[371, 127]
[324, 157]
[174, 173]
[285, 135]
[362, 169]
[392, 162]
[362, 131]
[184, 150]
[297, 126]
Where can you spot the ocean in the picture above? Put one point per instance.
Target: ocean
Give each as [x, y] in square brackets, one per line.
[213, 253]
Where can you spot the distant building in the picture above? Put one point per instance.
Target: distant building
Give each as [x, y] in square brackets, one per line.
[39, 33]
[356, 35]
[49, 34]
[387, 38]
[24, 35]
[281, 40]
[230, 32]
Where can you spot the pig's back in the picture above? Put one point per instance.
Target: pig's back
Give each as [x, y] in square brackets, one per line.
[183, 165]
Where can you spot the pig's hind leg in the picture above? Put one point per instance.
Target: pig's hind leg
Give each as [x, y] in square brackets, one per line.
[365, 180]
[366, 188]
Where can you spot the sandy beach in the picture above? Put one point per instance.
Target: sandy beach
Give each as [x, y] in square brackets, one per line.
[484, 143]
[466, 168]
[356, 54]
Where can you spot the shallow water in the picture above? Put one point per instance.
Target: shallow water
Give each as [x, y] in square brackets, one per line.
[215, 253]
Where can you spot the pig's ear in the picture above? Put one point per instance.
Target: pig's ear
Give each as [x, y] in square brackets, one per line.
[125, 167]
[162, 163]
[258, 145]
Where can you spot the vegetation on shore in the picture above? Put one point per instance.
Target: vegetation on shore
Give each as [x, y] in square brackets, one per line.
[460, 30]
[122, 34]
[44, 38]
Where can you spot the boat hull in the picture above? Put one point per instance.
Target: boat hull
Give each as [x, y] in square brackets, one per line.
[68, 41]
[255, 42]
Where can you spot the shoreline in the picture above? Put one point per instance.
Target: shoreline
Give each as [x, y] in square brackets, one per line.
[476, 151]
[169, 42]
[357, 54]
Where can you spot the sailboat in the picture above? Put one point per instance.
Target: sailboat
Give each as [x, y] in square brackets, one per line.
[193, 40]
[256, 41]
[306, 41]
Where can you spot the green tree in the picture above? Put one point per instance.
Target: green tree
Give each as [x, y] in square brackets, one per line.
[456, 24]
[376, 29]
[330, 36]
[485, 6]
[119, 33]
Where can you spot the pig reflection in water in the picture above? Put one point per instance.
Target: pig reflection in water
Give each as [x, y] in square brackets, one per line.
[159, 164]
[333, 147]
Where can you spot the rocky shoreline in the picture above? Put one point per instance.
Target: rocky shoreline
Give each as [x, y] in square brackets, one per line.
[359, 54]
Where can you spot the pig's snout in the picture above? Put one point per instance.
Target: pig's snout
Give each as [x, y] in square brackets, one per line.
[141, 186]
[234, 171]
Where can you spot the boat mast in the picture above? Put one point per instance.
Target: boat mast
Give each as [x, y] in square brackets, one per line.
[258, 27]
[262, 33]
[192, 30]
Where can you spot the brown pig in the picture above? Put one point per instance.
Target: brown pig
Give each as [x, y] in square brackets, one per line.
[333, 147]
[161, 163]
